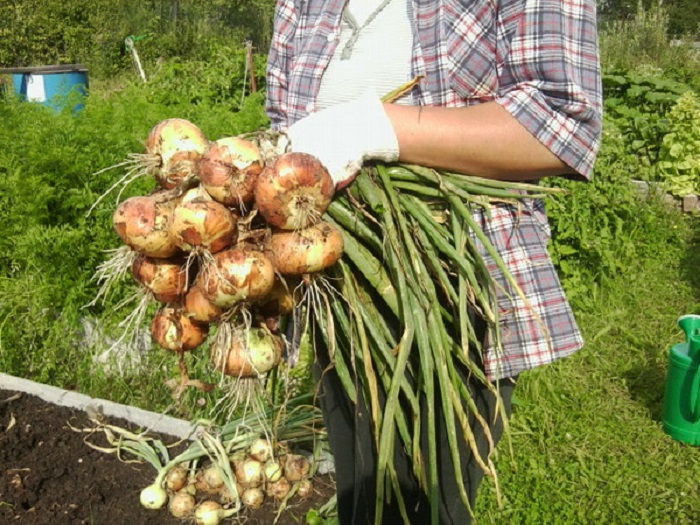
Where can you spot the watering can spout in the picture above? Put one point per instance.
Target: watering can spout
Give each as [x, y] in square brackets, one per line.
[690, 324]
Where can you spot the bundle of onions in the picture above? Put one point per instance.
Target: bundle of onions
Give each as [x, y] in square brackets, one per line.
[236, 275]
[173, 330]
[174, 146]
[143, 224]
[246, 354]
[229, 169]
[309, 250]
[166, 279]
[201, 224]
[293, 191]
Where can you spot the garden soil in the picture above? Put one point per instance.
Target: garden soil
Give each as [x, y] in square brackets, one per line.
[49, 475]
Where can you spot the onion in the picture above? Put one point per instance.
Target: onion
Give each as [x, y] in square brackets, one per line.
[181, 504]
[212, 477]
[178, 144]
[279, 489]
[201, 223]
[199, 308]
[229, 169]
[280, 300]
[296, 467]
[249, 472]
[165, 278]
[294, 191]
[143, 224]
[153, 497]
[273, 471]
[176, 478]
[238, 274]
[260, 450]
[173, 330]
[253, 498]
[305, 488]
[247, 354]
[306, 251]
[210, 512]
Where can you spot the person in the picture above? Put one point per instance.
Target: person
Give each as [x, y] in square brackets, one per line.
[508, 90]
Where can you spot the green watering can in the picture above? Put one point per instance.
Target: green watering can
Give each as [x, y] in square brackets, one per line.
[681, 414]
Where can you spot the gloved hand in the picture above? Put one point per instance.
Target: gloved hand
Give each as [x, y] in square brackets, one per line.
[346, 135]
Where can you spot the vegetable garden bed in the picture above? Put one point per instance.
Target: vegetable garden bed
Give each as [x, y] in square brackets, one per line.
[49, 475]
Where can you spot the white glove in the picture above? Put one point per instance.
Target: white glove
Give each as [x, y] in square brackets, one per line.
[346, 135]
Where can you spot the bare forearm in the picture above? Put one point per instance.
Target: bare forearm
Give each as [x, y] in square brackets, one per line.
[483, 140]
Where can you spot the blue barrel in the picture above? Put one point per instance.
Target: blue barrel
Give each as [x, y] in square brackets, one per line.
[52, 86]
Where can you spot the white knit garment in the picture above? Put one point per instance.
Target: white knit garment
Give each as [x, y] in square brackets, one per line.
[380, 58]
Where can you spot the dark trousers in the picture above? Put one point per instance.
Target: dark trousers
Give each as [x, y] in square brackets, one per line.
[350, 437]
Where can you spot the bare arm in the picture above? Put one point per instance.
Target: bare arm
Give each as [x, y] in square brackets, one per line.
[483, 140]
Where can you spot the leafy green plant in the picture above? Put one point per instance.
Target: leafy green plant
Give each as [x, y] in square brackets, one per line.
[638, 104]
[679, 156]
[601, 225]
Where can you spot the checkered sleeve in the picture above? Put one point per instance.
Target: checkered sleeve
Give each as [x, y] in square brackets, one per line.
[550, 80]
[278, 60]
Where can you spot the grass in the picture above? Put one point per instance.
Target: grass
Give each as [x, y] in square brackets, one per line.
[587, 441]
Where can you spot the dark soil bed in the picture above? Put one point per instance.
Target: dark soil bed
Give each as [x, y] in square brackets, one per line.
[48, 475]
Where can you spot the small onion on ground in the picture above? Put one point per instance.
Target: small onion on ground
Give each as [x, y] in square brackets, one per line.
[253, 498]
[210, 512]
[153, 497]
[181, 504]
[176, 478]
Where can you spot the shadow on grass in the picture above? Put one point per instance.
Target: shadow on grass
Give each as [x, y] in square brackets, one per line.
[646, 384]
[690, 263]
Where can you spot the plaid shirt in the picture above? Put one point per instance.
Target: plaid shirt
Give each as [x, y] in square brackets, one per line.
[539, 60]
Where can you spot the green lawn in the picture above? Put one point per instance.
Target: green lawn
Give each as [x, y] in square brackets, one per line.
[587, 441]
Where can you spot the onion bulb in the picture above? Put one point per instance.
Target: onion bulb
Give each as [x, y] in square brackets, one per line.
[153, 497]
[181, 504]
[249, 472]
[210, 512]
[253, 498]
[273, 471]
[247, 353]
[199, 308]
[294, 191]
[165, 278]
[202, 223]
[306, 251]
[279, 489]
[176, 478]
[304, 488]
[260, 450]
[229, 169]
[212, 477]
[280, 300]
[236, 275]
[143, 224]
[178, 144]
[296, 467]
[173, 330]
